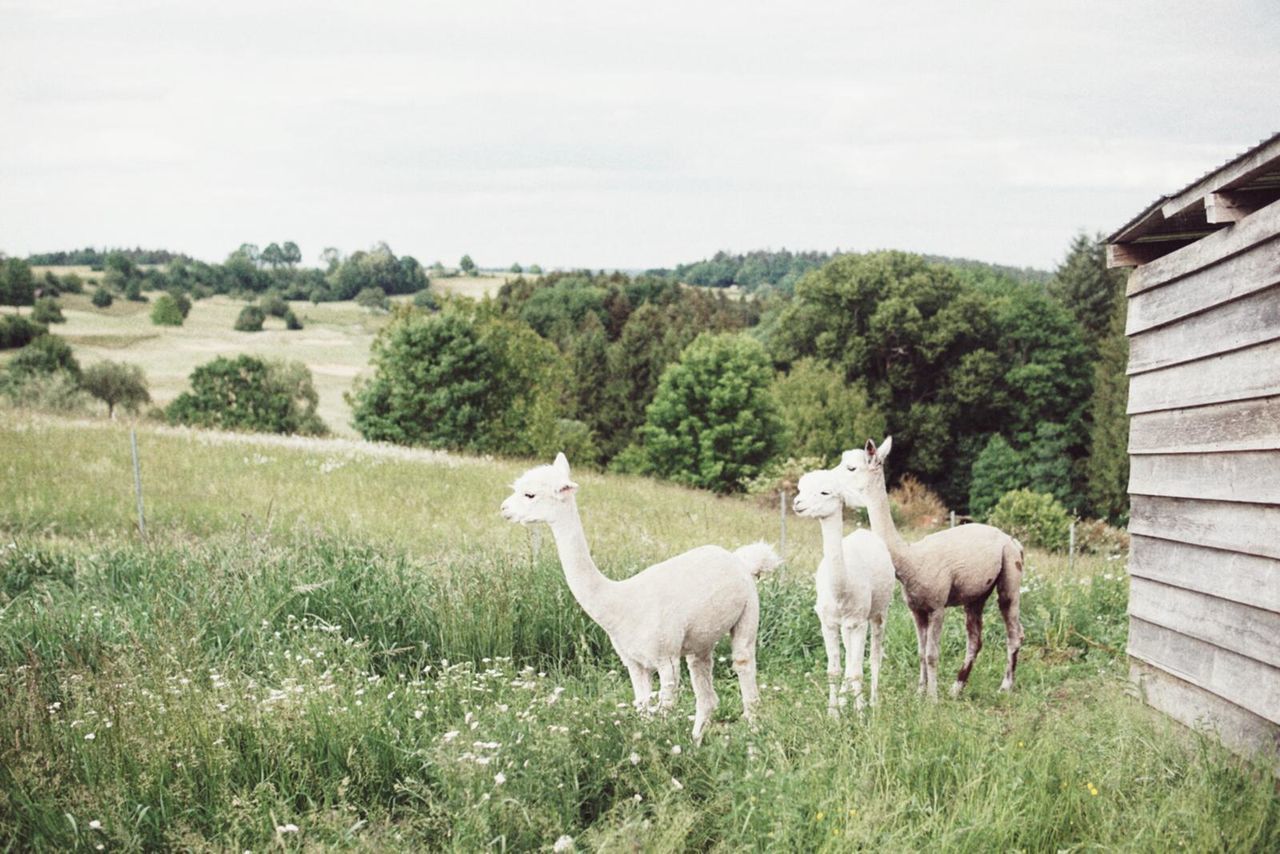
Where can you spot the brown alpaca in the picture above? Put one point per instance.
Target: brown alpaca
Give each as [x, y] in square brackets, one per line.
[959, 566]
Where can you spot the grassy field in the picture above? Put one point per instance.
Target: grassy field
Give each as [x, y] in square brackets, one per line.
[334, 644]
[334, 343]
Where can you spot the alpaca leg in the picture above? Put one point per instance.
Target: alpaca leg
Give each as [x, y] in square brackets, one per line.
[855, 639]
[877, 654]
[922, 646]
[932, 643]
[703, 691]
[1009, 597]
[973, 628]
[641, 684]
[831, 639]
[743, 642]
[668, 683]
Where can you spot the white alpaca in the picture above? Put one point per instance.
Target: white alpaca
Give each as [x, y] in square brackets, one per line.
[959, 566]
[680, 607]
[855, 586]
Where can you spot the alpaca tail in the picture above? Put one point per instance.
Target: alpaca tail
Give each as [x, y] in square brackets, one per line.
[758, 558]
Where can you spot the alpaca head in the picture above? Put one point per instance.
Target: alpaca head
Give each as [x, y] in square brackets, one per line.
[818, 495]
[860, 468]
[541, 494]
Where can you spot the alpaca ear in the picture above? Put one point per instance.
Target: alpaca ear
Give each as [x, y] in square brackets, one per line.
[562, 464]
[871, 450]
[885, 447]
[566, 489]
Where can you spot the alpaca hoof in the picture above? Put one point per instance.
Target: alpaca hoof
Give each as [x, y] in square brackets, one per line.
[833, 712]
[858, 703]
[1006, 686]
[956, 689]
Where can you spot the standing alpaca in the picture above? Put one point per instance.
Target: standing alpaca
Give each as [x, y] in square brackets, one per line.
[959, 566]
[680, 607]
[855, 586]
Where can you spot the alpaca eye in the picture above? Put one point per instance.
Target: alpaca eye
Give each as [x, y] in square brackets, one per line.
[528, 495]
[826, 493]
[852, 468]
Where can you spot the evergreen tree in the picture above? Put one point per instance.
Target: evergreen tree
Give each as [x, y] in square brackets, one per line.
[1107, 468]
[1087, 288]
[997, 470]
[713, 423]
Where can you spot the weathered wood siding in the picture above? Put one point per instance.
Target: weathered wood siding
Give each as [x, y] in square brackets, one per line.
[1204, 445]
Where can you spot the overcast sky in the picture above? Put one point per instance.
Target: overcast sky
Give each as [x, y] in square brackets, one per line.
[610, 135]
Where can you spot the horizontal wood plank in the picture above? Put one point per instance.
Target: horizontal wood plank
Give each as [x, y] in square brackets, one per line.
[1248, 425]
[1213, 249]
[1251, 320]
[1240, 375]
[1238, 172]
[1239, 679]
[1235, 277]
[1245, 528]
[1248, 579]
[1251, 476]
[1238, 729]
[1243, 629]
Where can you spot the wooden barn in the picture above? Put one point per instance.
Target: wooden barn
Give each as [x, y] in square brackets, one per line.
[1204, 446]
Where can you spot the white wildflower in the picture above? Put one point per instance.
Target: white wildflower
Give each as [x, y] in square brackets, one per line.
[95, 825]
[450, 735]
[563, 844]
[677, 785]
[286, 828]
[635, 758]
[88, 736]
[675, 750]
[499, 778]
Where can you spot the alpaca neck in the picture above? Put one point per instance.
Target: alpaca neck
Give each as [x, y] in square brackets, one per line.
[588, 585]
[833, 552]
[882, 521]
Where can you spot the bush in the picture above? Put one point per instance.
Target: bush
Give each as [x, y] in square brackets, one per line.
[712, 423]
[102, 297]
[166, 311]
[291, 320]
[47, 354]
[780, 475]
[57, 391]
[1035, 518]
[274, 305]
[426, 299]
[117, 384]
[248, 393]
[373, 299]
[1095, 536]
[915, 505]
[72, 283]
[183, 301]
[47, 310]
[133, 291]
[251, 319]
[17, 331]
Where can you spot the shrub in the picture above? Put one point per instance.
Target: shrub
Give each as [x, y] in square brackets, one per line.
[251, 319]
[183, 301]
[274, 305]
[56, 391]
[47, 310]
[72, 283]
[133, 291]
[915, 505]
[712, 423]
[780, 475]
[426, 299]
[166, 311]
[102, 297]
[117, 384]
[47, 354]
[291, 320]
[17, 331]
[1035, 518]
[373, 299]
[1095, 536]
[248, 393]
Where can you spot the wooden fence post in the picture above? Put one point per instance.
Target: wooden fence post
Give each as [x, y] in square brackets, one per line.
[137, 482]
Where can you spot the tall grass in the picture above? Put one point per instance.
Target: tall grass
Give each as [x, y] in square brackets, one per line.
[323, 679]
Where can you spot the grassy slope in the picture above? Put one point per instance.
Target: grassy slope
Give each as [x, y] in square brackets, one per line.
[277, 654]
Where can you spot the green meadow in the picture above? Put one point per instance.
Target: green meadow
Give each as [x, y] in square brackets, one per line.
[332, 644]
